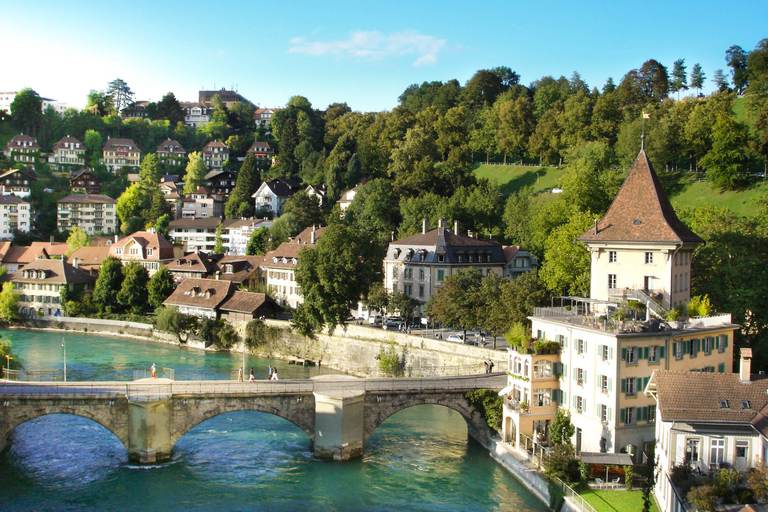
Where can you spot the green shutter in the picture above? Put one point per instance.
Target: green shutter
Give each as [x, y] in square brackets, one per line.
[584, 375]
[661, 351]
[555, 393]
[698, 346]
[623, 385]
[610, 352]
[721, 368]
[610, 414]
[610, 384]
[623, 354]
[639, 386]
[646, 352]
[645, 413]
[645, 381]
[599, 350]
[725, 337]
[565, 370]
[563, 398]
[623, 415]
[674, 349]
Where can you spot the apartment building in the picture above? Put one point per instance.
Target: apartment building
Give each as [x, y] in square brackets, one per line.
[214, 155]
[93, 212]
[119, 153]
[15, 214]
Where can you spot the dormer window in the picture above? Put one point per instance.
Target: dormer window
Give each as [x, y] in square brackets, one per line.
[228, 268]
[723, 404]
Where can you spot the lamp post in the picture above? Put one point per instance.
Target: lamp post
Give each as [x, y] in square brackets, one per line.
[8, 365]
[64, 345]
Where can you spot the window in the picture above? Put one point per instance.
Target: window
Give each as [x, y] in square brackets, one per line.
[581, 376]
[648, 258]
[440, 258]
[717, 451]
[408, 289]
[561, 340]
[629, 417]
[605, 352]
[582, 346]
[542, 397]
[612, 257]
[605, 413]
[653, 355]
[692, 450]
[630, 356]
[707, 344]
[440, 275]
[605, 383]
[542, 369]
[611, 281]
[651, 414]
[421, 274]
[629, 387]
[579, 403]
[421, 291]
[742, 447]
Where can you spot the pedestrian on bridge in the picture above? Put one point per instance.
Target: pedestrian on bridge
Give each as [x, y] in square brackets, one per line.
[271, 371]
[252, 378]
[274, 374]
[153, 371]
[240, 374]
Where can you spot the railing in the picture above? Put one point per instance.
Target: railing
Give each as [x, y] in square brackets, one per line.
[162, 372]
[654, 307]
[573, 497]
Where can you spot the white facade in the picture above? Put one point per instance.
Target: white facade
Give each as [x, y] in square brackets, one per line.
[14, 214]
[93, 213]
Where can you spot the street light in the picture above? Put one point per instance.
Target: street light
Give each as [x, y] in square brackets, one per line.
[63, 344]
[8, 365]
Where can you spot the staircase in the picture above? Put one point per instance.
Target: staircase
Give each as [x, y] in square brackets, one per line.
[653, 306]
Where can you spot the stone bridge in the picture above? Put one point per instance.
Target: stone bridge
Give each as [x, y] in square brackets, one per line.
[149, 416]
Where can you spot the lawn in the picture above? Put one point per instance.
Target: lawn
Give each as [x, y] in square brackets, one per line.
[512, 178]
[684, 192]
[606, 500]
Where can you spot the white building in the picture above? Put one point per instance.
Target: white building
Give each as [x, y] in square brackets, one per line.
[239, 232]
[14, 214]
[271, 195]
[94, 213]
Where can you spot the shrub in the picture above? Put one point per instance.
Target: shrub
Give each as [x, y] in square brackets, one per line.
[257, 333]
[489, 404]
[704, 498]
[585, 471]
[725, 481]
[562, 463]
[390, 363]
[629, 474]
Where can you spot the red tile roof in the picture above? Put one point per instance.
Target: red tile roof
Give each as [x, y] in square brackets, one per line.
[200, 293]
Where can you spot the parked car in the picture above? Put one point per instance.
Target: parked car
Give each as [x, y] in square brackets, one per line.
[457, 338]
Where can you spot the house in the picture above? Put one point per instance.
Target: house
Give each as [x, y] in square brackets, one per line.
[277, 268]
[271, 195]
[221, 183]
[593, 356]
[119, 153]
[66, 152]
[228, 97]
[215, 153]
[195, 234]
[261, 150]
[196, 114]
[16, 182]
[94, 213]
[52, 249]
[317, 191]
[263, 116]
[241, 270]
[708, 421]
[418, 264]
[16, 257]
[239, 231]
[200, 297]
[136, 110]
[347, 197]
[173, 193]
[201, 203]
[171, 153]
[89, 259]
[148, 248]
[14, 214]
[194, 264]
[245, 306]
[39, 284]
[519, 261]
[22, 148]
[85, 182]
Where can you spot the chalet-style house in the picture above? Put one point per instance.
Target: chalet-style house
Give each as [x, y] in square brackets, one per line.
[85, 182]
[317, 191]
[68, 151]
[16, 182]
[171, 153]
[418, 264]
[194, 264]
[201, 203]
[196, 114]
[519, 261]
[214, 155]
[14, 215]
[277, 268]
[708, 421]
[22, 148]
[136, 110]
[119, 153]
[263, 116]
[221, 183]
[94, 213]
[211, 298]
[39, 284]
[148, 248]
[261, 150]
[271, 195]
[605, 348]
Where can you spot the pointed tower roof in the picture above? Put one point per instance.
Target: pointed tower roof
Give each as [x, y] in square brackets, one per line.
[641, 212]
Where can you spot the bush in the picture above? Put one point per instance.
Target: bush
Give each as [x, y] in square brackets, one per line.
[682, 477]
[518, 335]
[390, 363]
[258, 333]
[725, 481]
[629, 474]
[704, 498]
[490, 405]
[562, 463]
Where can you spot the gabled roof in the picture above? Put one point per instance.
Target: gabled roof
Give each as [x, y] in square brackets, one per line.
[243, 267]
[281, 187]
[67, 143]
[51, 248]
[246, 302]
[200, 293]
[120, 144]
[641, 212]
[22, 140]
[4, 199]
[89, 257]
[215, 144]
[22, 255]
[349, 195]
[146, 240]
[87, 199]
[290, 250]
[9, 172]
[193, 262]
[260, 146]
[55, 271]
[85, 172]
[170, 146]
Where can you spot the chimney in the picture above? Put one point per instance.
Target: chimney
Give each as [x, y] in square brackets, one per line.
[456, 227]
[424, 226]
[115, 237]
[312, 236]
[75, 263]
[51, 239]
[469, 234]
[595, 226]
[745, 368]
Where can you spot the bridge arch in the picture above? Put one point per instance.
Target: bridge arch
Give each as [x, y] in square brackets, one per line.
[380, 406]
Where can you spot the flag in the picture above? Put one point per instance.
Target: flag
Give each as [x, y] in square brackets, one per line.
[646, 115]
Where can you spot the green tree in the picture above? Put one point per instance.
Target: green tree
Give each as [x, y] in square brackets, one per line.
[561, 429]
[248, 182]
[697, 77]
[725, 161]
[9, 303]
[282, 229]
[305, 208]
[401, 303]
[132, 203]
[196, 170]
[120, 93]
[169, 319]
[27, 112]
[132, 294]
[679, 80]
[219, 247]
[456, 302]
[169, 109]
[160, 287]
[77, 238]
[93, 143]
[720, 80]
[257, 243]
[736, 58]
[109, 284]
[566, 263]
[337, 273]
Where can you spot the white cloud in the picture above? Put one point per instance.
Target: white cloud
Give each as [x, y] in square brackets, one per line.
[374, 46]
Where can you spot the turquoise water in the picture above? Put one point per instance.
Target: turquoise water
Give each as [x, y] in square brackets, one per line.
[419, 459]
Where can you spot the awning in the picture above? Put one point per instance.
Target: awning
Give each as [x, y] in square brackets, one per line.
[506, 390]
[611, 459]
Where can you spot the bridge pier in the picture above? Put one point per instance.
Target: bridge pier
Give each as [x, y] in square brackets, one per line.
[339, 425]
[149, 431]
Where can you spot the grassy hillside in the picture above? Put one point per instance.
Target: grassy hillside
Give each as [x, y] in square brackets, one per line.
[512, 178]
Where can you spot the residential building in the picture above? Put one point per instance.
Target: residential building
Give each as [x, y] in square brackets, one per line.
[707, 421]
[228, 97]
[245, 306]
[89, 259]
[241, 270]
[16, 182]
[196, 114]
[347, 197]
[221, 183]
[418, 264]
[607, 347]
[6, 100]
[271, 195]
[201, 203]
[16, 257]
[148, 248]
[215, 153]
[119, 153]
[40, 282]
[22, 148]
[85, 182]
[173, 193]
[318, 191]
[14, 214]
[68, 151]
[263, 116]
[195, 234]
[200, 297]
[94, 213]
[519, 261]
[261, 150]
[194, 264]
[171, 153]
[277, 268]
[52, 249]
[238, 233]
[136, 110]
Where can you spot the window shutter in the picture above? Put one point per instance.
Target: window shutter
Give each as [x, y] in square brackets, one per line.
[646, 352]
[639, 386]
[623, 385]
[575, 374]
[721, 368]
[610, 384]
[725, 337]
[661, 351]
[623, 415]
[584, 404]
[597, 410]
[698, 346]
[610, 352]
[584, 376]
[645, 381]
[555, 393]
[563, 397]
[600, 350]
[575, 402]
[565, 370]
[674, 348]
[624, 354]
[556, 368]
[585, 346]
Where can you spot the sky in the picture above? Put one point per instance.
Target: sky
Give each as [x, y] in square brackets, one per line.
[362, 53]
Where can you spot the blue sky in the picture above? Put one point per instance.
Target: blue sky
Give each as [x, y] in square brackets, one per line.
[364, 53]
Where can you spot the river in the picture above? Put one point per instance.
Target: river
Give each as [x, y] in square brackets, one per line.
[420, 459]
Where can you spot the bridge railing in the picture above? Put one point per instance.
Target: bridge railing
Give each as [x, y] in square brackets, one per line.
[10, 388]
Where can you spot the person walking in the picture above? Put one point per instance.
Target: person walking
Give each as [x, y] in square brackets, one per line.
[240, 374]
[153, 371]
[252, 377]
[274, 375]
[270, 371]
